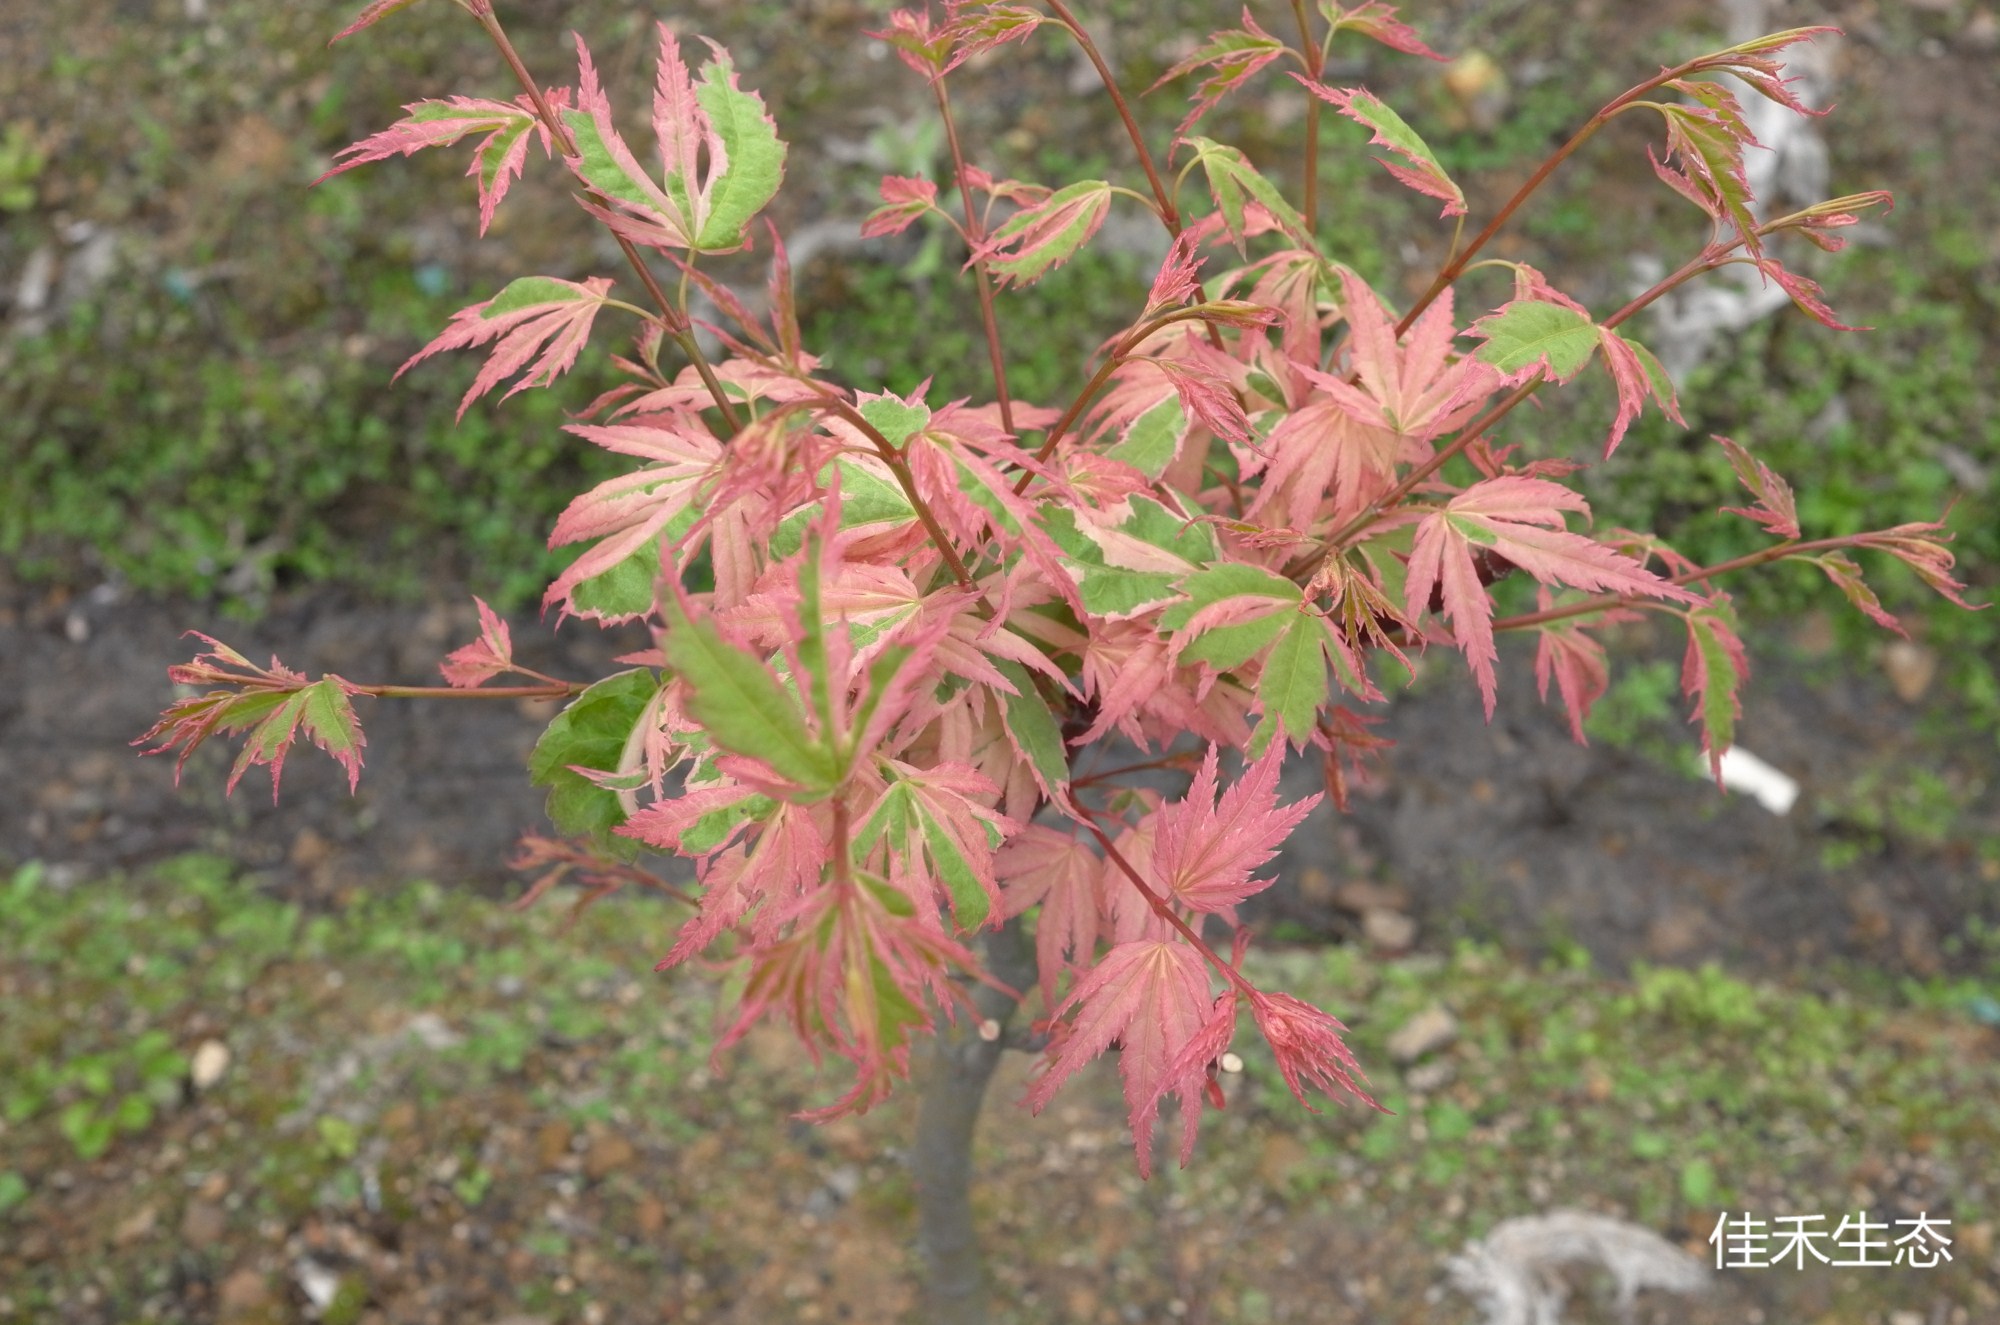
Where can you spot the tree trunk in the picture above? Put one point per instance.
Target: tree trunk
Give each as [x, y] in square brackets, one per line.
[954, 1087]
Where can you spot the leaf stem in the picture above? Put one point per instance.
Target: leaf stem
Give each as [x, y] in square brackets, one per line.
[1176, 762]
[982, 280]
[842, 845]
[1604, 602]
[553, 690]
[901, 469]
[1160, 905]
[1169, 215]
[1315, 57]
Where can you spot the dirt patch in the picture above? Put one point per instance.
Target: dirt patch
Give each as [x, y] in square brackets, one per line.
[1510, 830]
[1506, 831]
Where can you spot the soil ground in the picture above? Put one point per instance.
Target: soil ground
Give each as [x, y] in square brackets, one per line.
[1506, 831]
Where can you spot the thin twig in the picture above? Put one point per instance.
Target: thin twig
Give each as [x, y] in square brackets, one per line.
[1169, 215]
[554, 690]
[982, 281]
[1315, 57]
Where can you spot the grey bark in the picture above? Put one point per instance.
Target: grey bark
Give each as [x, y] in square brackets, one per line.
[954, 1088]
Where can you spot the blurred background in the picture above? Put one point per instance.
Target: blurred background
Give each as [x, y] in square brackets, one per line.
[270, 1064]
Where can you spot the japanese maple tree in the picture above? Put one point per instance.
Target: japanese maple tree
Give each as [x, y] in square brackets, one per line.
[887, 627]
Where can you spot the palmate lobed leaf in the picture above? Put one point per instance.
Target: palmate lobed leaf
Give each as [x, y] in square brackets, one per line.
[712, 123]
[497, 161]
[1233, 56]
[1548, 336]
[1708, 147]
[1308, 1047]
[1775, 509]
[854, 973]
[1415, 385]
[488, 656]
[1922, 547]
[1038, 239]
[274, 705]
[974, 29]
[922, 43]
[1805, 293]
[1422, 171]
[1151, 997]
[1567, 654]
[1520, 519]
[1043, 867]
[904, 199]
[1536, 337]
[1206, 847]
[1377, 20]
[539, 323]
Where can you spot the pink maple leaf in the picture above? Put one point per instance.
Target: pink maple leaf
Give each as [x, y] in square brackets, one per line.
[1179, 277]
[540, 323]
[1308, 1047]
[1378, 20]
[1151, 997]
[1636, 374]
[627, 512]
[1520, 519]
[974, 29]
[719, 151]
[1576, 663]
[1806, 293]
[1415, 386]
[497, 161]
[273, 704]
[1921, 547]
[1775, 509]
[1419, 169]
[488, 656]
[1193, 1068]
[807, 976]
[1205, 849]
[1232, 56]
[903, 201]
[1056, 871]
[1041, 237]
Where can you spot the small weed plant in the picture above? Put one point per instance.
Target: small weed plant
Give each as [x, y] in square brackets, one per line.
[921, 667]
